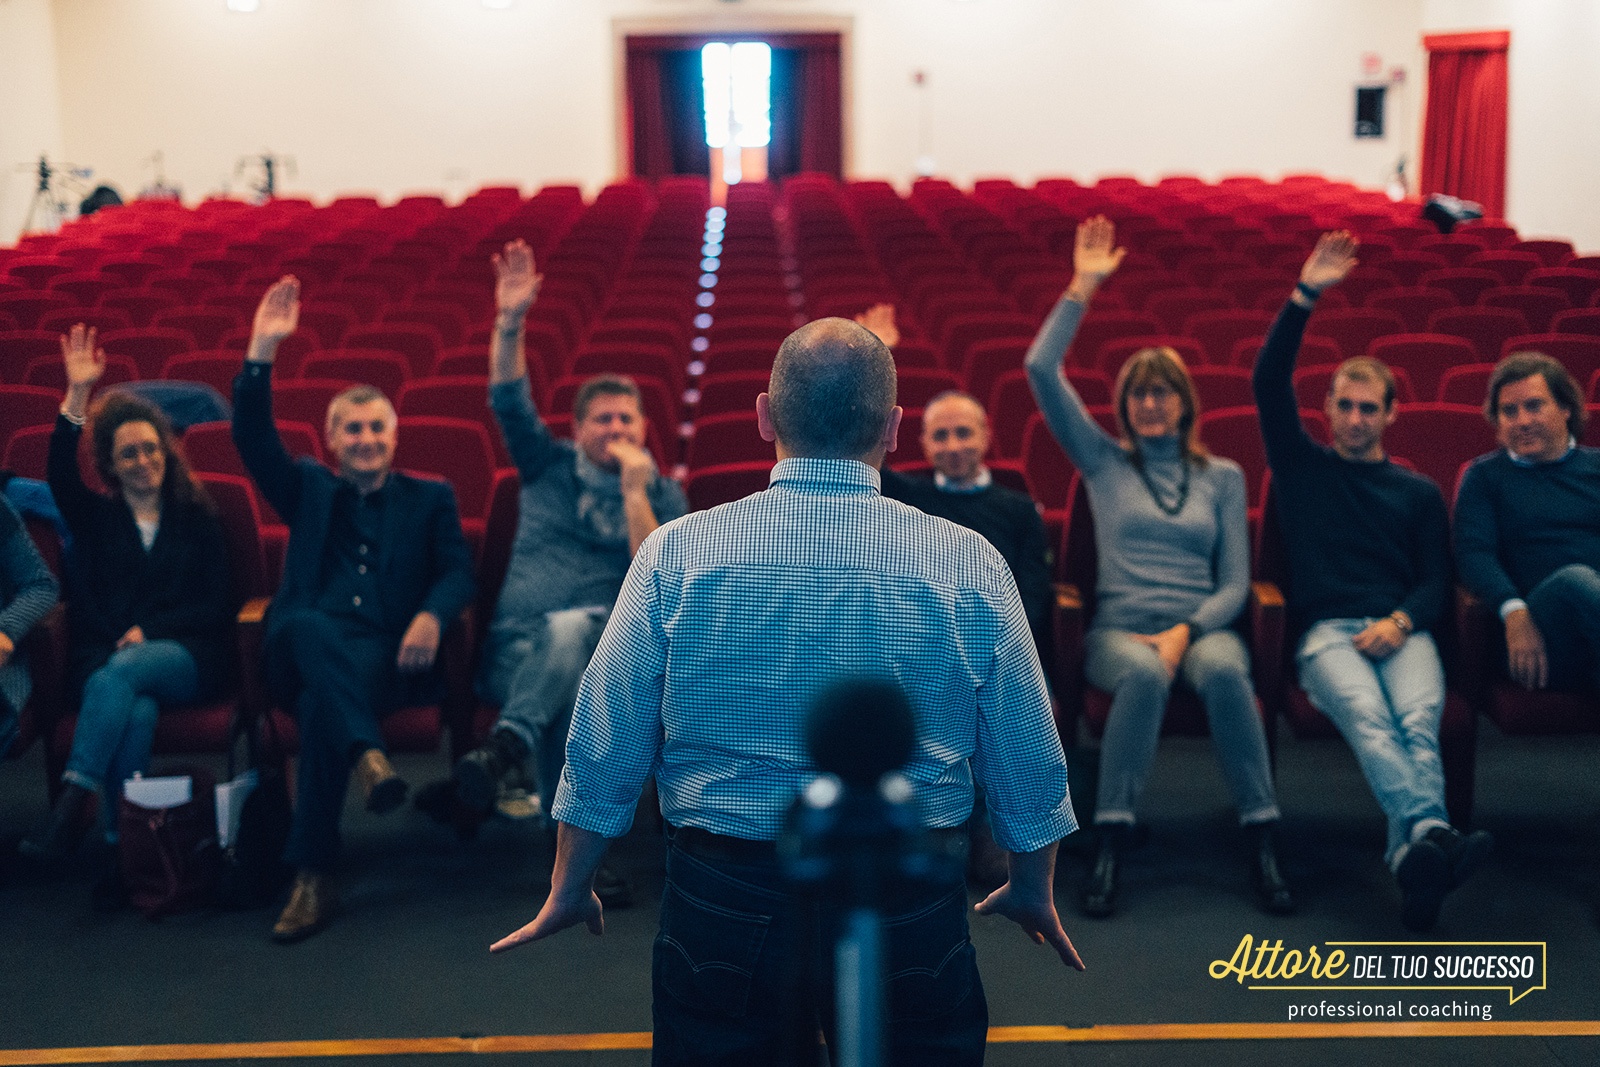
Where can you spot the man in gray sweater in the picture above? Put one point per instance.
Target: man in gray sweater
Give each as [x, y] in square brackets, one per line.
[586, 505]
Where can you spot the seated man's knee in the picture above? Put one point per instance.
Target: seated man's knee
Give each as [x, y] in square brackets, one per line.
[1575, 579]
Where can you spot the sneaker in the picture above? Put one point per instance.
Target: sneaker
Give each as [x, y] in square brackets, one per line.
[1424, 877]
[1466, 852]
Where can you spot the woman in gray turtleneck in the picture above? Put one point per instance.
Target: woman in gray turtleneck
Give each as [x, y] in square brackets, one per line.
[1173, 551]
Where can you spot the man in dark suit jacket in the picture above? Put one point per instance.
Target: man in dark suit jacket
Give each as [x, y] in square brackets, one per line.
[377, 566]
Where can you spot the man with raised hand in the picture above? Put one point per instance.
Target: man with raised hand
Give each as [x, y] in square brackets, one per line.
[730, 624]
[1369, 579]
[586, 506]
[376, 567]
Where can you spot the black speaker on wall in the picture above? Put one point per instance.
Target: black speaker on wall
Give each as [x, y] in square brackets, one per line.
[1369, 110]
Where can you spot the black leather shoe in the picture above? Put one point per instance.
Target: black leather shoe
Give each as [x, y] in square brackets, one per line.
[1465, 852]
[1098, 899]
[58, 836]
[1272, 892]
[1424, 877]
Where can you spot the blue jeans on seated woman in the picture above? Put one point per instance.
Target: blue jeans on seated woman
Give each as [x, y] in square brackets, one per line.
[742, 971]
[117, 719]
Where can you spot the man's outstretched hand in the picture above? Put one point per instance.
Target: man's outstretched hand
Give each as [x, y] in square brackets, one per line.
[1037, 917]
[558, 913]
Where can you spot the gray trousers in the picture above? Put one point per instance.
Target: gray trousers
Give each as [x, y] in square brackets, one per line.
[534, 678]
[1216, 667]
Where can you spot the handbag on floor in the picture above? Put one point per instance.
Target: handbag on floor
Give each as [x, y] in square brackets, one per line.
[168, 852]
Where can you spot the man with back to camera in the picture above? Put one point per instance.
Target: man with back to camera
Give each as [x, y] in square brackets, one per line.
[585, 508]
[730, 623]
[1369, 577]
[376, 567]
[1527, 525]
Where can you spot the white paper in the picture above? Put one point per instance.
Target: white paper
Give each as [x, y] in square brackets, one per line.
[162, 792]
[230, 805]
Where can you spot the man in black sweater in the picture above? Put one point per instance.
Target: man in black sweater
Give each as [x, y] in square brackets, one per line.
[1528, 525]
[1368, 549]
[955, 439]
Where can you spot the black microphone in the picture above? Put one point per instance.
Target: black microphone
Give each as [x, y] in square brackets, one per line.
[860, 729]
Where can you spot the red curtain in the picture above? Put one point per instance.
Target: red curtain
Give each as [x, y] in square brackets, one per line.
[821, 108]
[649, 141]
[1464, 131]
[808, 103]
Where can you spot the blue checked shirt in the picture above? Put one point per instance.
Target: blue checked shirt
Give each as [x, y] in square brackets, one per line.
[732, 621]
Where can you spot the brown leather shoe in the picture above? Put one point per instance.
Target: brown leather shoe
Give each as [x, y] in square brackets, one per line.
[384, 789]
[311, 906]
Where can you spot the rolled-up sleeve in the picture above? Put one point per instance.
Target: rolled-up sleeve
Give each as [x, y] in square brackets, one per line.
[615, 739]
[1018, 759]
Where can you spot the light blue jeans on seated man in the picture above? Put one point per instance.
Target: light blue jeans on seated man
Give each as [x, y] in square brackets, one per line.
[117, 719]
[1217, 668]
[1389, 712]
[534, 678]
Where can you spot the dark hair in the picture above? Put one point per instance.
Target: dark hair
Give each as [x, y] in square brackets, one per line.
[832, 390]
[114, 409]
[1521, 365]
[603, 385]
[1160, 364]
[1366, 369]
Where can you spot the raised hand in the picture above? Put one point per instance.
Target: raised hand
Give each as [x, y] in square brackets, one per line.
[1094, 254]
[84, 361]
[879, 318]
[516, 281]
[1332, 259]
[276, 318]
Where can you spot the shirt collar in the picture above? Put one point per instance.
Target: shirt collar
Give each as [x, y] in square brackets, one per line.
[831, 475]
[1572, 442]
[983, 480]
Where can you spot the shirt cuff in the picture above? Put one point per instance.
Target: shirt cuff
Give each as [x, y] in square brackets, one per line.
[1516, 603]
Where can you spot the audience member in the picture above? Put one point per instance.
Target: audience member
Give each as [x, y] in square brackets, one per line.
[1527, 525]
[32, 500]
[1369, 581]
[1172, 543]
[27, 591]
[377, 567]
[729, 625]
[148, 593]
[586, 506]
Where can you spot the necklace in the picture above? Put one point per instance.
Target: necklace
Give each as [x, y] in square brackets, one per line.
[1150, 487]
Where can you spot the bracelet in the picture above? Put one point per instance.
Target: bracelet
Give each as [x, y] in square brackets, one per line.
[1306, 291]
[76, 420]
[1402, 622]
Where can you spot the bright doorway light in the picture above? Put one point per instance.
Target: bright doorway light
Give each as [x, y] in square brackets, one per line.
[737, 79]
[244, 5]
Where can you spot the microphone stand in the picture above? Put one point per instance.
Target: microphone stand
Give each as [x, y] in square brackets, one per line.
[856, 845]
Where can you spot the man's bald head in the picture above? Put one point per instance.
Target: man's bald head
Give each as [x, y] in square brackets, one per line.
[832, 391]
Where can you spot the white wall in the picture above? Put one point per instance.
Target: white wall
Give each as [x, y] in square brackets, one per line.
[390, 95]
[1553, 134]
[30, 117]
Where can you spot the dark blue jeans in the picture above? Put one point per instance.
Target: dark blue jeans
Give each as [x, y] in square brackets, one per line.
[742, 971]
[1566, 608]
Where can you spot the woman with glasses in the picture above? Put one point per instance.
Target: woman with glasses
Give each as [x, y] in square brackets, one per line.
[1173, 574]
[149, 607]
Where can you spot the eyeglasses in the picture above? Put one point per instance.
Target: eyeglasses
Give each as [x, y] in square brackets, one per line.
[1160, 392]
[131, 453]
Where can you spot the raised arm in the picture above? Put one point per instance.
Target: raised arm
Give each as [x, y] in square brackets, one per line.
[516, 287]
[1094, 258]
[84, 363]
[1329, 263]
[255, 435]
[879, 318]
